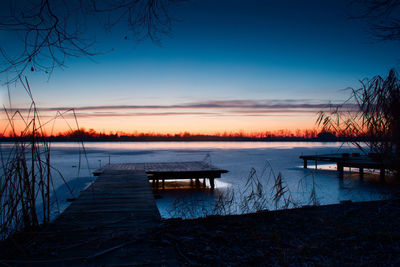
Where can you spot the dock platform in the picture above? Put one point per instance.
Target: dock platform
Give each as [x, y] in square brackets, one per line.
[161, 171]
[353, 160]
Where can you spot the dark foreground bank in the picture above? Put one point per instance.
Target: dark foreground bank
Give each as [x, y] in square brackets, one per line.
[349, 234]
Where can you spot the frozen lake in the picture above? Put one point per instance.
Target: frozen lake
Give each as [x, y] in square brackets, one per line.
[263, 159]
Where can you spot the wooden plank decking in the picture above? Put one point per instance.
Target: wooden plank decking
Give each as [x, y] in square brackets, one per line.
[116, 196]
[170, 170]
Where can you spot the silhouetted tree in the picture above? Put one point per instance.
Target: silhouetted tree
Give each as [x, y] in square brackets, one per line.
[44, 33]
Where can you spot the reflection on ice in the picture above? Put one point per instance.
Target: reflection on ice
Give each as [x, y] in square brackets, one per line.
[172, 184]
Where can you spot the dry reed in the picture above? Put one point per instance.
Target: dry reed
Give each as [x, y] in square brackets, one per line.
[371, 113]
[26, 180]
[261, 192]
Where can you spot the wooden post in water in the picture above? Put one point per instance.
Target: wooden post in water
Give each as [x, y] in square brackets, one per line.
[340, 170]
[305, 164]
[382, 175]
[212, 183]
[361, 170]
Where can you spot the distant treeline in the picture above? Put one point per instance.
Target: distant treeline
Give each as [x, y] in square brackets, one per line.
[87, 136]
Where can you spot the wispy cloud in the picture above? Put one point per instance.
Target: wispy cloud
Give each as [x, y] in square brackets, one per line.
[202, 108]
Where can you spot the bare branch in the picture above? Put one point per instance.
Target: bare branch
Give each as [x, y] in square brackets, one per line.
[47, 33]
[383, 17]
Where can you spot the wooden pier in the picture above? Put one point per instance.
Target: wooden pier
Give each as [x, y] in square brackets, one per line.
[112, 221]
[354, 160]
[161, 171]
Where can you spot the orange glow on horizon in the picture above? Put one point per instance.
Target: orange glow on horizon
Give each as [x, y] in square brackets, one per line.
[163, 124]
[66, 128]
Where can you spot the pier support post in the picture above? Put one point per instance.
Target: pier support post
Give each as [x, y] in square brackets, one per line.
[204, 182]
[361, 170]
[212, 183]
[163, 183]
[382, 175]
[340, 170]
[305, 164]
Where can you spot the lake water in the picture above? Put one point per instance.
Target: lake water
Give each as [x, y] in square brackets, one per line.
[233, 192]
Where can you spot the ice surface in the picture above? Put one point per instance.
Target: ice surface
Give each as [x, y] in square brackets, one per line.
[76, 166]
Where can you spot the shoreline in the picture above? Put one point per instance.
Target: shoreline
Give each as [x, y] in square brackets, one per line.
[349, 234]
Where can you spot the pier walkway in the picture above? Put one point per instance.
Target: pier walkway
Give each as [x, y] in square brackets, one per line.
[113, 221]
[109, 224]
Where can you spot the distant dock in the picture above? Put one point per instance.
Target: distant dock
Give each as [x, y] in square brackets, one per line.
[353, 160]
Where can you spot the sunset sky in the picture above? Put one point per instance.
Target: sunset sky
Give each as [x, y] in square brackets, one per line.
[227, 66]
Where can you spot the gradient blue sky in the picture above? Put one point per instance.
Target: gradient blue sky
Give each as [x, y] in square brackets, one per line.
[227, 66]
